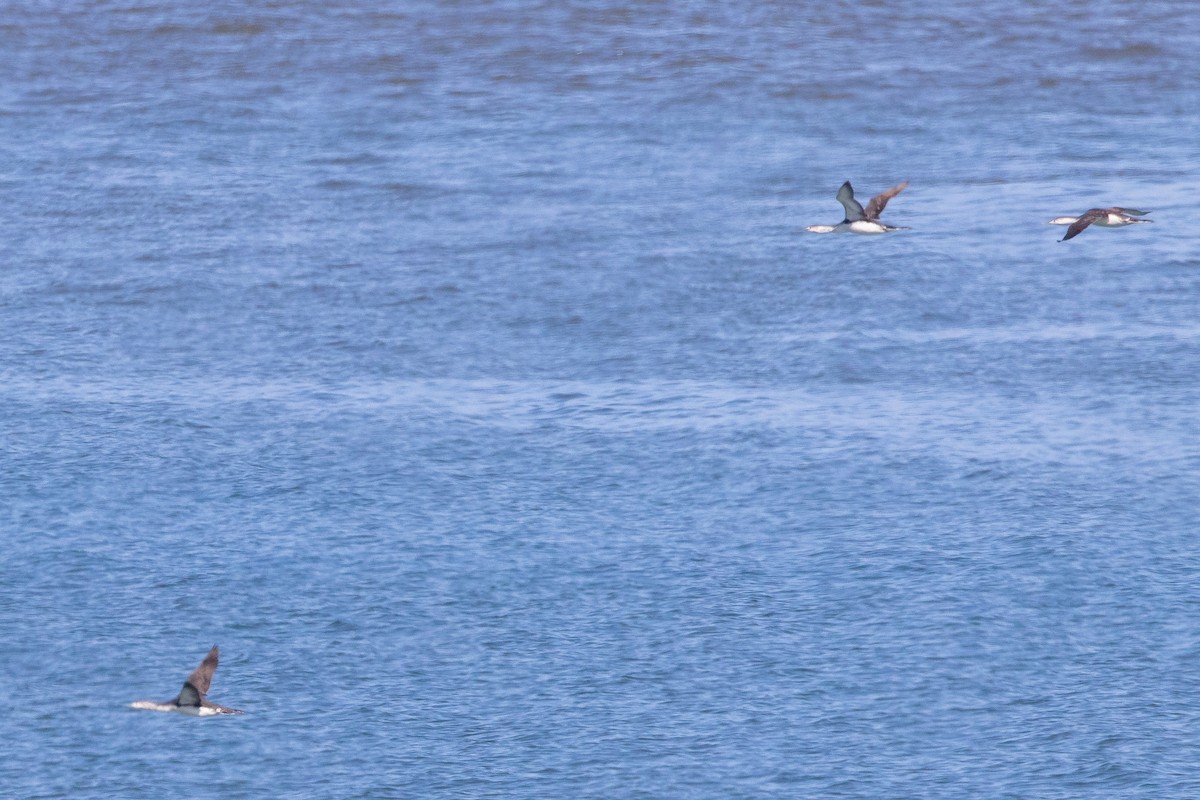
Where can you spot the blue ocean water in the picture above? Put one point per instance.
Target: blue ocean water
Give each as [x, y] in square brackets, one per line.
[465, 372]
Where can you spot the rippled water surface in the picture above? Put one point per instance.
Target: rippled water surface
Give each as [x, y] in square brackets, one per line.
[465, 372]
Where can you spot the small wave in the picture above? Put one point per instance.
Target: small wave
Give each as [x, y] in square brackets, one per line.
[348, 160]
[1137, 50]
[338, 184]
[413, 191]
[239, 28]
[1009, 335]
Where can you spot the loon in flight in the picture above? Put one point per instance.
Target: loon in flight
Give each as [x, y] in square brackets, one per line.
[1102, 217]
[191, 699]
[858, 220]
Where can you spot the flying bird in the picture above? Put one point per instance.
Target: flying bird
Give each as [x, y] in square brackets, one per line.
[859, 220]
[1101, 217]
[191, 699]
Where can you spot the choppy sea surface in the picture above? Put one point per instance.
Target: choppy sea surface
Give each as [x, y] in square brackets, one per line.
[465, 372]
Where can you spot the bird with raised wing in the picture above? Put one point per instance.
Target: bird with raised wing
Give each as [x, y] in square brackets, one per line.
[863, 221]
[191, 699]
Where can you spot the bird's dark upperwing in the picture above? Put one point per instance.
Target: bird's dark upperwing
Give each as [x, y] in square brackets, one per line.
[188, 695]
[879, 202]
[845, 196]
[1079, 225]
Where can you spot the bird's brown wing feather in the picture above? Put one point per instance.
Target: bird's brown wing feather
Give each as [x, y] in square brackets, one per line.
[879, 201]
[1078, 226]
[200, 680]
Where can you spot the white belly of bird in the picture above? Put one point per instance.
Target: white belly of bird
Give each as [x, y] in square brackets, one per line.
[199, 711]
[865, 227]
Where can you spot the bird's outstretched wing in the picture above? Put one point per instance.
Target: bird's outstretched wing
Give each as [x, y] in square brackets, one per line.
[1079, 225]
[197, 684]
[845, 196]
[879, 202]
